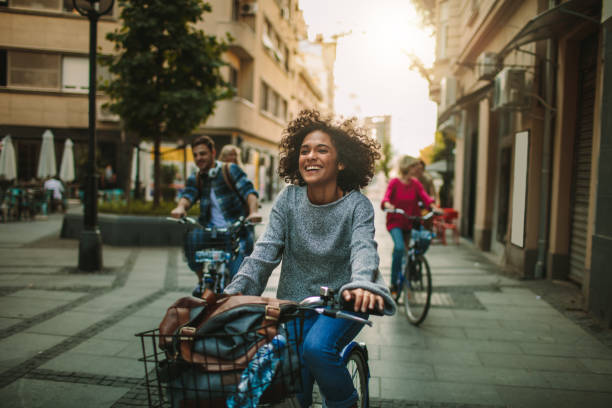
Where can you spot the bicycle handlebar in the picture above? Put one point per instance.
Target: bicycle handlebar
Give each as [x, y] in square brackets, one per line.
[425, 217]
[333, 305]
[241, 222]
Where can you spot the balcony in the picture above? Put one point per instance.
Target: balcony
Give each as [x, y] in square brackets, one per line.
[244, 38]
[243, 115]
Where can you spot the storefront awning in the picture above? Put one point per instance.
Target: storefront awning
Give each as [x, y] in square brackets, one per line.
[555, 22]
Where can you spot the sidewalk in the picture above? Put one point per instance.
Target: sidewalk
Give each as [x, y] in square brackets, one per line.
[489, 340]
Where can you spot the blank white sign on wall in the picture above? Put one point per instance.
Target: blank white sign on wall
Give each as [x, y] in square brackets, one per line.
[519, 187]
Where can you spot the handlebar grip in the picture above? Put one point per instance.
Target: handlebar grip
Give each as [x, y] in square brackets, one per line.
[350, 306]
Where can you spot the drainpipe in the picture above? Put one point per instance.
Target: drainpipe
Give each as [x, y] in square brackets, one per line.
[551, 62]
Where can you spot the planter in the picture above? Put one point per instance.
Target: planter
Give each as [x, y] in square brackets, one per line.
[128, 230]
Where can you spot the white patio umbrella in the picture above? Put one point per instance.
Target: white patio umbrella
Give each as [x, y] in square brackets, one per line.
[66, 172]
[144, 165]
[8, 164]
[46, 161]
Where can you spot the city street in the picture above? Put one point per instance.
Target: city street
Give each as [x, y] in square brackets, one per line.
[489, 340]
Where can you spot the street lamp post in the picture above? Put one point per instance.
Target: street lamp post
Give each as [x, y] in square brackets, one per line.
[90, 244]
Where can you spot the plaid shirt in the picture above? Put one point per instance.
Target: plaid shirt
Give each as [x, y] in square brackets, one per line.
[231, 205]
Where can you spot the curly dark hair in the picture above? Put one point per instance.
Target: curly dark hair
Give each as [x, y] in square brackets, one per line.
[356, 149]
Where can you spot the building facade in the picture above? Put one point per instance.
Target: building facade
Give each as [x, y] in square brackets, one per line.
[522, 87]
[44, 83]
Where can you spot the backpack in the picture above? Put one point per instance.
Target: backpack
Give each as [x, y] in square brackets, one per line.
[210, 342]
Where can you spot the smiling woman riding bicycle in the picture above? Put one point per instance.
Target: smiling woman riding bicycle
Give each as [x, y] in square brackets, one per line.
[322, 228]
[404, 192]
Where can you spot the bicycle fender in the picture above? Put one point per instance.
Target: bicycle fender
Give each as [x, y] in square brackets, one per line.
[360, 348]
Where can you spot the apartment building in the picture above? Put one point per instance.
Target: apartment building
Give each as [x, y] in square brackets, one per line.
[44, 82]
[522, 86]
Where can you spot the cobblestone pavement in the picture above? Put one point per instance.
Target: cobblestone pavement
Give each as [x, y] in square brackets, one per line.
[489, 340]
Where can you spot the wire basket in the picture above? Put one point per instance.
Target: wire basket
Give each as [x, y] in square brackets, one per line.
[257, 372]
[203, 245]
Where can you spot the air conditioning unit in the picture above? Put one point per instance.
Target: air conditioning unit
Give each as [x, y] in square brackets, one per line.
[248, 9]
[105, 115]
[486, 66]
[448, 92]
[510, 92]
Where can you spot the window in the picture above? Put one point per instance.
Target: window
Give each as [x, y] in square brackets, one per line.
[33, 70]
[75, 74]
[233, 77]
[264, 96]
[272, 102]
[3, 67]
[54, 5]
[443, 32]
[275, 46]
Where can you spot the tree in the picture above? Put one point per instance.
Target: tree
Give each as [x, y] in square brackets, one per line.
[166, 75]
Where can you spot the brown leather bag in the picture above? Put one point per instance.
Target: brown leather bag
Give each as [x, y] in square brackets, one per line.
[217, 318]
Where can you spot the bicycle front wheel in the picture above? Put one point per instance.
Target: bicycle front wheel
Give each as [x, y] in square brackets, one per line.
[417, 290]
[357, 368]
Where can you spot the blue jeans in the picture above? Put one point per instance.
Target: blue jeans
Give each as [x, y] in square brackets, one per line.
[323, 340]
[398, 253]
[245, 249]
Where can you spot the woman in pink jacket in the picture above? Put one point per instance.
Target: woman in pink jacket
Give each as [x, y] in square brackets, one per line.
[405, 192]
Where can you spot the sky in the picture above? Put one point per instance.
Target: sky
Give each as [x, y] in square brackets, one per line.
[372, 70]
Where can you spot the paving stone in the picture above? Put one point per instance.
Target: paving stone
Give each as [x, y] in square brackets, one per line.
[66, 324]
[597, 366]
[579, 381]
[402, 370]
[548, 398]
[531, 362]
[6, 322]
[99, 365]
[472, 345]
[50, 394]
[439, 392]
[38, 294]
[565, 350]
[391, 355]
[21, 308]
[488, 375]
[18, 348]
[103, 347]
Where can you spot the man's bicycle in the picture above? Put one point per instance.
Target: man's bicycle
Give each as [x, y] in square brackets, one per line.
[272, 378]
[211, 250]
[414, 283]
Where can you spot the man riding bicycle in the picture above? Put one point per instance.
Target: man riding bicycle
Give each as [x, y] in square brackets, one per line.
[223, 200]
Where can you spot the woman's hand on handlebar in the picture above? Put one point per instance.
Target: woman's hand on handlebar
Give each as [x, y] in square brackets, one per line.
[364, 300]
[388, 206]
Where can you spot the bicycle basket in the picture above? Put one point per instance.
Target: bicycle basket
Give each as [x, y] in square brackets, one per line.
[421, 238]
[198, 239]
[271, 373]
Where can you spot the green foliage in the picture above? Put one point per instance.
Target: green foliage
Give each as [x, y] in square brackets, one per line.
[444, 144]
[139, 207]
[168, 171]
[166, 72]
[426, 10]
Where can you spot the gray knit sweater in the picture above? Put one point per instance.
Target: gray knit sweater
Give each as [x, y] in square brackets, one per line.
[319, 245]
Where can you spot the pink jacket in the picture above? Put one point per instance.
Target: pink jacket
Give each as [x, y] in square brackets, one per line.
[406, 197]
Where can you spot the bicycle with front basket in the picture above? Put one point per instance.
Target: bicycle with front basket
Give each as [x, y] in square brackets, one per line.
[414, 285]
[217, 249]
[168, 379]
